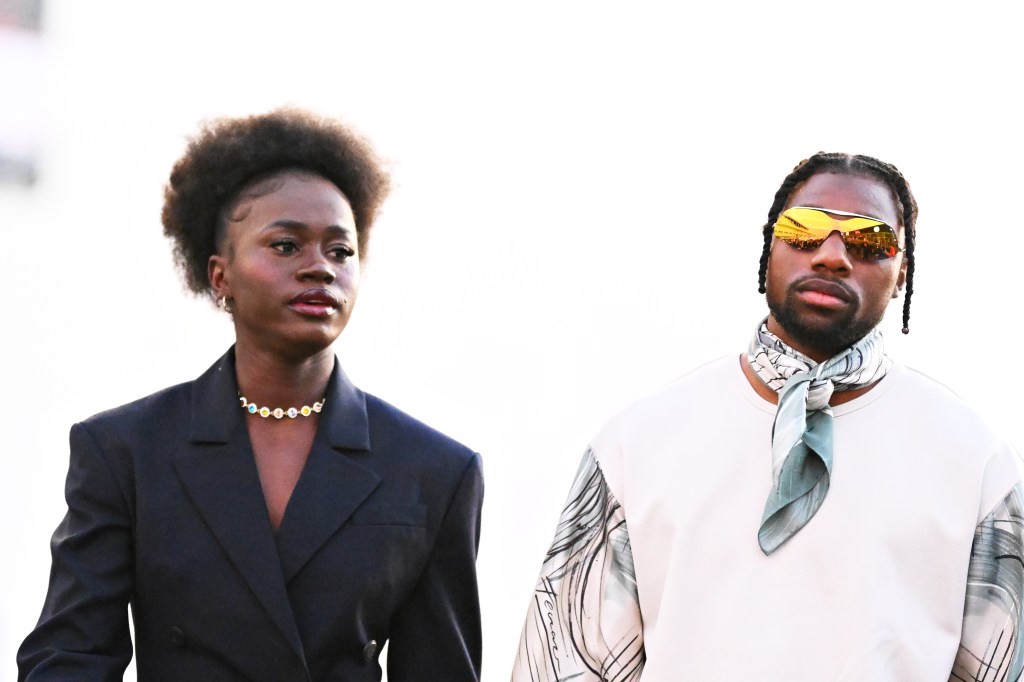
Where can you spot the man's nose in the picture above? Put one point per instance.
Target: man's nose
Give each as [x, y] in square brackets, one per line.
[832, 254]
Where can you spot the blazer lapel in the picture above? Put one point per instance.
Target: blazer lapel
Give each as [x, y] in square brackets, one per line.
[334, 481]
[220, 476]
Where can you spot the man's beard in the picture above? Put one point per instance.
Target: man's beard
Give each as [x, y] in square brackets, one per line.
[831, 336]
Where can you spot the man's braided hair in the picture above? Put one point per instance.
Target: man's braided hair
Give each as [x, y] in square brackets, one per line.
[848, 164]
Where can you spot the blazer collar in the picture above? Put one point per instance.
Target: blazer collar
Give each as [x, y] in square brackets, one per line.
[343, 424]
[220, 476]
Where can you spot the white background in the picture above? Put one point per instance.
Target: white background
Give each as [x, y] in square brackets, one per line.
[579, 191]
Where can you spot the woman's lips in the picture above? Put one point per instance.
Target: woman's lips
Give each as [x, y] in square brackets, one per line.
[315, 303]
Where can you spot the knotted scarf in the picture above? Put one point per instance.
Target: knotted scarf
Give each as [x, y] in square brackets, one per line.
[802, 433]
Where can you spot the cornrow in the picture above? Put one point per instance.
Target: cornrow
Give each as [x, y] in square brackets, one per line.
[852, 164]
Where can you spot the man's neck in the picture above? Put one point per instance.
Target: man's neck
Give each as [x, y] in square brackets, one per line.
[817, 353]
[838, 397]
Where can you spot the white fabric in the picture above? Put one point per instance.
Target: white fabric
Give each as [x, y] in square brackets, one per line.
[868, 591]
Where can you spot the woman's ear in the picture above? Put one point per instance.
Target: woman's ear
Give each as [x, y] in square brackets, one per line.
[216, 272]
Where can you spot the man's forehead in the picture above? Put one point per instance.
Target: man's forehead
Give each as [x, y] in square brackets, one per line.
[853, 193]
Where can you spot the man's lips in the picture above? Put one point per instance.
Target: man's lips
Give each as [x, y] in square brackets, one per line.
[823, 293]
[315, 302]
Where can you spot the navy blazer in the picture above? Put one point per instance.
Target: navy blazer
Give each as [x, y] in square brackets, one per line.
[165, 512]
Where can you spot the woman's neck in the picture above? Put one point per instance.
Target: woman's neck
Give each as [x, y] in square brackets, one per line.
[267, 379]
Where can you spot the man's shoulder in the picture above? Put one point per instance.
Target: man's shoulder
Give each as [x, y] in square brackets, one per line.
[928, 383]
[955, 434]
[930, 395]
[931, 408]
[705, 380]
[697, 391]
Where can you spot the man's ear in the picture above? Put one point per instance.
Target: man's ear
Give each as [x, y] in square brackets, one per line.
[901, 279]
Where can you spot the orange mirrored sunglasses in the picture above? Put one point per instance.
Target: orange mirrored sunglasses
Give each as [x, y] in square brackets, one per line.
[866, 238]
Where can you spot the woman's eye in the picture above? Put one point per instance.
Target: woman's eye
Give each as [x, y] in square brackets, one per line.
[283, 245]
[341, 252]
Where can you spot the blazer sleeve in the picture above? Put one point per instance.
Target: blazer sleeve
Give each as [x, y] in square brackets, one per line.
[436, 634]
[83, 631]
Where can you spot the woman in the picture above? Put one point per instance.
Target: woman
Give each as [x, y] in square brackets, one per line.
[267, 521]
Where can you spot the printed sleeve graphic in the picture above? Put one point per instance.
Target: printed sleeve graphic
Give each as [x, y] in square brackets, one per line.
[990, 645]
[584, 620]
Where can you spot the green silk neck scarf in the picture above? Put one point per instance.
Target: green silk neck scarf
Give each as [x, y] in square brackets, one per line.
[802, 433]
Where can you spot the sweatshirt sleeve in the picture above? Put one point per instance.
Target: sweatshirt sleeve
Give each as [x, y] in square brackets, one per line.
[584, 619]
[990, 644]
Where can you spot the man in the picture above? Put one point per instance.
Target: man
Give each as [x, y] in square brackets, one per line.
[810, 510]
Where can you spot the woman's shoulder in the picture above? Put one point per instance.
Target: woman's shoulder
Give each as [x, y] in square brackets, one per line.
[395, 429]
[144, 412]
[172, 405]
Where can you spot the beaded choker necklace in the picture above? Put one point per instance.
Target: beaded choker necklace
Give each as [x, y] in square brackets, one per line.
[278, 412]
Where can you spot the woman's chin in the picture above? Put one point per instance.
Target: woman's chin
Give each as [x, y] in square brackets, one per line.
[292, 347]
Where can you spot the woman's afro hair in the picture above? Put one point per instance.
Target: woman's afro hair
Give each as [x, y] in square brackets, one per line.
[230, 153]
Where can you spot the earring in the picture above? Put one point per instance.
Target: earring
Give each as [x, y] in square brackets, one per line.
[226, 304]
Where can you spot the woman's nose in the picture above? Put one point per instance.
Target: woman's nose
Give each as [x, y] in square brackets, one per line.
[318, 268]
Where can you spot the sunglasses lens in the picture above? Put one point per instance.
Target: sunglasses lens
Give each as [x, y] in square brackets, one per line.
[872, 243]
[794, 230]
[865, 238]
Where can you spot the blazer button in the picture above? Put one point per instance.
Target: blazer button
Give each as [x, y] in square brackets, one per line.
[370, 650]
[176, 636]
